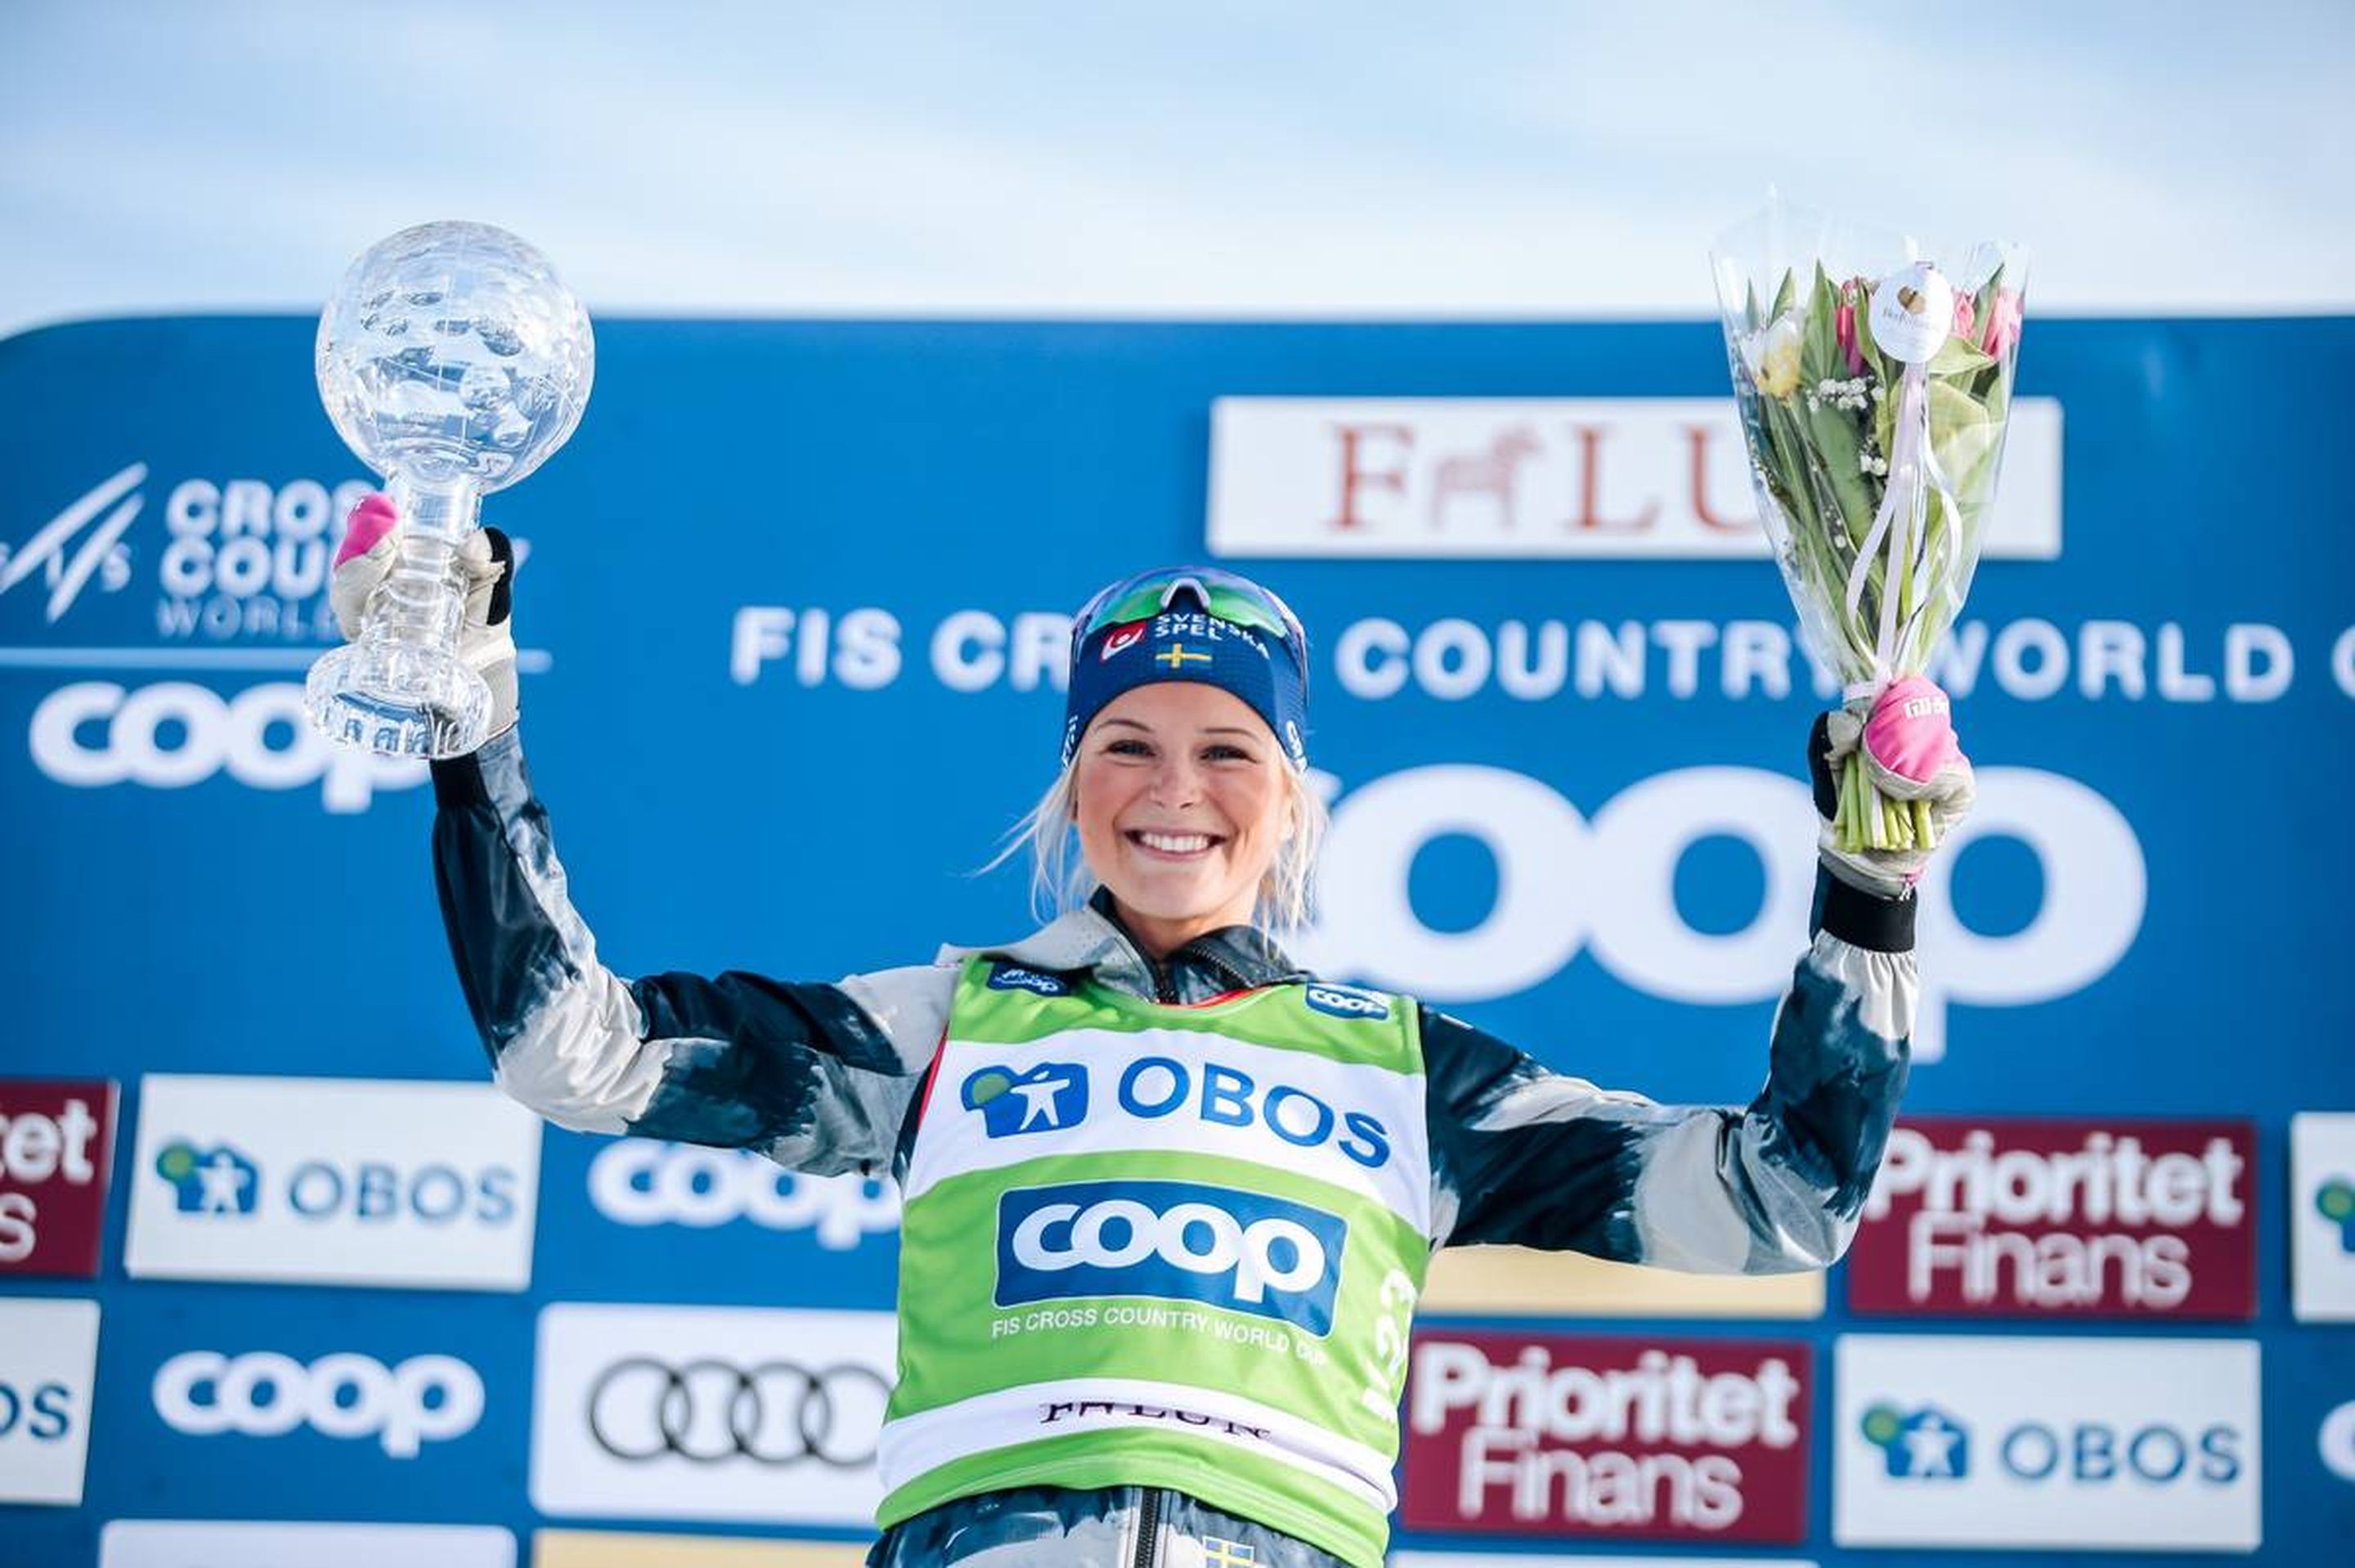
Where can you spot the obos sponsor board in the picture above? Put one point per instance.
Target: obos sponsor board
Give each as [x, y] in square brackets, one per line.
[399, 1407]
[2083, 1442]
[206, 1543]
[49, 1363]
[639, 1181]
[1541, 1434]
[349, 1181]
[2018, 1216]
[56, 1148]
[748, 1413]
[2322, 1216]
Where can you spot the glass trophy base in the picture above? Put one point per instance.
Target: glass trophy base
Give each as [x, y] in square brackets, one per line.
[396, 699]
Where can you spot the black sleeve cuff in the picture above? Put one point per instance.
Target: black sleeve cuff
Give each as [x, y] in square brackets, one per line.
[458, 783]
[1863, 919]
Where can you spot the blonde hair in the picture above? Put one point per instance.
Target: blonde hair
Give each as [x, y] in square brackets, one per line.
[1061, 879]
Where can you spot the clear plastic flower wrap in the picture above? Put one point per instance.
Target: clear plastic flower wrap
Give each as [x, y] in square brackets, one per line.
[1873, 378]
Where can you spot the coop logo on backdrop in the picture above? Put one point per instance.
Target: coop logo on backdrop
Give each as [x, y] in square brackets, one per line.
[1606, 885]
[400, 1406]
[2083, 1442]
[48, 1364]
[2030, 1216]
[748, 1413]
[202, 1544]
[345, 1182]
[57, 1146]
[1552, 1435]
[639, 1181]
[2322, 1216]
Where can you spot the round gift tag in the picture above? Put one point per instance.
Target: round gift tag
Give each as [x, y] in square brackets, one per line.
[1912, 312]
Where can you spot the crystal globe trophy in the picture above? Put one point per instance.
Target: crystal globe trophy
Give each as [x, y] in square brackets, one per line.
[453, 362]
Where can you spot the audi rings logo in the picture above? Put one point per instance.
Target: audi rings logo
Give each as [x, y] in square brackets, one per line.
[709, 1412]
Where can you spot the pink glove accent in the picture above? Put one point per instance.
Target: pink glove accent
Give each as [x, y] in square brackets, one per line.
[371, 520]
[1911, 732]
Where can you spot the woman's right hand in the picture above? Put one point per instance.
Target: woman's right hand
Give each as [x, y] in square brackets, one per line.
[486, 641]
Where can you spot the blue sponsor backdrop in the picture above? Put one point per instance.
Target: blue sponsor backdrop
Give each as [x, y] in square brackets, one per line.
[195, 888]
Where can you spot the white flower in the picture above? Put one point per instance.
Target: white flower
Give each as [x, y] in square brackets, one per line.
[1778, 358]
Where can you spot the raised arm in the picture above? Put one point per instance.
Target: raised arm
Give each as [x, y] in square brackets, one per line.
[1524, 1155]
[818, 1076]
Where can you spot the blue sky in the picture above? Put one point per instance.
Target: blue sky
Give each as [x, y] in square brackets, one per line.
[1200, 158]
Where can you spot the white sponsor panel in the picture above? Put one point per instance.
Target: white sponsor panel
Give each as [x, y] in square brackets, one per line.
[2083, 1443]
[2322, 1216]
[1610, 477]
[1607, 884]
[642, 1182]
[740, 1413]
[211, 1543]
[261, 1394]
[48, 1364]
[333, 1181]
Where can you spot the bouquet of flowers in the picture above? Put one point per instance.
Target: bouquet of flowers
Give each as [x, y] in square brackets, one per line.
[1873, 385]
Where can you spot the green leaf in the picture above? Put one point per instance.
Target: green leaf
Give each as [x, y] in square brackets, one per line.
[1781, 297]
[1749, 306]
[1958, 357]
[1820, 356]
[1965, 437]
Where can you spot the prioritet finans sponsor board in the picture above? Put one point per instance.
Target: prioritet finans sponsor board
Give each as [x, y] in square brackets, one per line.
[2322, 1216]
[56, 1150]
[2022, 1216]
[2086, 1443]
[212, 1543]
[333, 1181]
[48, 1365]
[750, 1414]
[1551, 1435]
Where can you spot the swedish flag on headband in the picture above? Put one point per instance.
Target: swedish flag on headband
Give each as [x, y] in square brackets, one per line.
[1217, 1553]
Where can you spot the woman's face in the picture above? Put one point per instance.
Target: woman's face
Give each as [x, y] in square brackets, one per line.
[1181, 806]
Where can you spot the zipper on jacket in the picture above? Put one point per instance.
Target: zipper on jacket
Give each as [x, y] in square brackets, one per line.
[1148, 1529]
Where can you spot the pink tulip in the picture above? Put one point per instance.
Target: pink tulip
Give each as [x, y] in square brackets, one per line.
[2002, 332]
[1844, 327]
[1966, 317]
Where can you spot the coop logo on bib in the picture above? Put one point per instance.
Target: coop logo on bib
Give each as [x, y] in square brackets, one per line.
[1175, 1241]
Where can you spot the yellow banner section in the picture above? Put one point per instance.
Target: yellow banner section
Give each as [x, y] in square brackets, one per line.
[609, 1549]
[1510, 1279]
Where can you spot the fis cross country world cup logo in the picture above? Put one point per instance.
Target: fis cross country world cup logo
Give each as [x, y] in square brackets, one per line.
[1175, 1241]
[224, 582]
[1049, 1097]
[215, 1181]
[1922, 1445]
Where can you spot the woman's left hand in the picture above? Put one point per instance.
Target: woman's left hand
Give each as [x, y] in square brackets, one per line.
[1911, 753]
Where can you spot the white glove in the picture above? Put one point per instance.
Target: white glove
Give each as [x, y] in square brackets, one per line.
[486, 639]
[1909, 753]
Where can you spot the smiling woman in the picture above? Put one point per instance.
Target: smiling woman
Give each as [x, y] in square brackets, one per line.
[1169, 1197]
